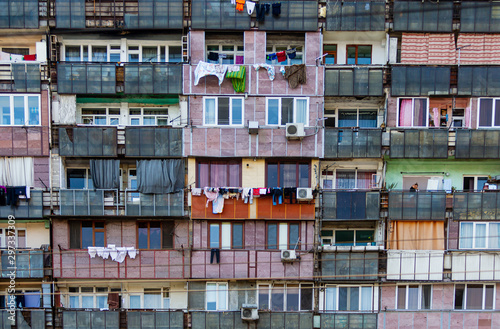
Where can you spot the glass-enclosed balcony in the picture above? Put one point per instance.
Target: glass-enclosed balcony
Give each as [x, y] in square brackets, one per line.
[353, 143]
[359, 81]
[88, 141]
[356, 16]
[24, 319]
[153, 142]
[419, 143]
[19, 14]
[138, 204]
[218, 15]
[349, 205]
[476, 205]
[349, 266]
[478, 80]
[413, 16]
[28, 264]
[296, 15]
[88, 202]
[23, 77]
[26, 208]
[86, 78]
[420, 81]
[477, 144]
[479, 16]
[157, 78]
[417, 205]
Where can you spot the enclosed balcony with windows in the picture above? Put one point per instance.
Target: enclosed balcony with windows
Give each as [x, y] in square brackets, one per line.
[422, 17]
[356, 16]
[22, 14]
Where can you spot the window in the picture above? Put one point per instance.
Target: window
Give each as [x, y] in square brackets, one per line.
[217, 294]
[479, 235]
[283, 236]
[16, 51]
[286, 297]
[20, 235]
[488, 114]
[226, 54]
[223, 111]
[25, 298]
[353, 179]
[279, 48]
[357, 118]
[348, 298]
[83, 234]
[155, 235]
[218, 174]
[226, 236]
[359, 55]
[414, 297]
[281, 111]
[288, 174]
[413, 112]
[474, 296]
[111, 53]
[356, 237]
[331, 57]
[154, 54]
[151, 298]
[88, 297]
[149, 116]
[101, 116]
[20, 110]
[79, 179]
[474, 183]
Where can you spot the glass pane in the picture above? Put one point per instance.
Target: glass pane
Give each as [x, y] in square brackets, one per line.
[87, 239]
[368, 119]
[351, 55]
[149, 54]
[222, 302]
[474, 297]
[237, 236]
[19, 110]
[366, 299]
[364, 55]
[413, 297]
[214, 236]
[174, 54]
[73, 54]
[344, 238]
[74, 302]
[135, 301]
[292, 297]
[293, 235]
[155, 235]
[87, 302]
[303, 175]
[480, 236]
[277, 298]
[343, 298]
[485, 112]
[237, 112]
[209, 111]
[272, 236]
[286, 111]
[331, 298]
[211, 297]
[102, 301]
[263, 297]
[348, 118]
[272, 111]
[272, 175]
[5, 110]
[99, 54]
[488, 297]
[354, 299]
[426, 297]
[223, 111]
[143, 235]
[345, 179]
[466, 235]
[459, 296]
[288, 175]
[364, 238]
[99, 239]
[152, 300]
[401, 297]
[494, 236]
[301, 111]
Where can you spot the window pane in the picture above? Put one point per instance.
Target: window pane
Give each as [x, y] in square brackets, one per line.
[345, 179]
[99, 54]
[203, 175]
[99, 239]
[459, 296]
[368, 119]
[344, 238]
[343, 298]
[293, 235]
[143, 235]
[21, 239]
[223, 111]
[288, 175]
[413, 297]
[303, 175]
[426, 297]
[292, 297]
[272, 111]
[286, 111]
[211, 297]
[76, 178]
[348, 118]
[222, 297]
[485, 112]
[272, 236]
[480, 236]
[73, 54]
[420, 113]
[301, 111]
[277, 299]
[331, 298]
[87, 239]
[474, 297]
[354, 299]
[466, 237]
[209, 111]
[135, 301]
[364, 238]
[74, 302]
[149, 54]
[155, 235]
[5, 110]
[19, 110]
[87, 302]
[225, 236]
[234, 175]
[494, 236]
[102, 301]
[174, 54]
[366, 299]
[237, 112]
[497, 113]
[488, 297]
[218, 174]
[34, 110]
[214, 236]
[401, 297]
[306, 297]
[351, 55]
[272, 175]
[263, 297]
[237, 236]
[152, 300]
[364, 55]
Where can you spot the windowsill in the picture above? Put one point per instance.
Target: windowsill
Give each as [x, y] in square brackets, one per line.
[352, 248]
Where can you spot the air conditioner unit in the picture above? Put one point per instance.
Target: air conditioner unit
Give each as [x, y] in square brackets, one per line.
[249, 312]
[295, 130]
[288, 255]
[304, 193]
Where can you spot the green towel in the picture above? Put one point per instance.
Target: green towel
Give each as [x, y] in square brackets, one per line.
[238, 79]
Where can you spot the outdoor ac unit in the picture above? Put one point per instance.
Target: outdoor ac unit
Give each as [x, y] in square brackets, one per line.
[295, 130]
[288, 255]
[249, 312]
[304, 193]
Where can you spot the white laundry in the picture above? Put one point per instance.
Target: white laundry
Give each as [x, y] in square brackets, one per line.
[121, 254]
[196, 191]
[132, 252]
[247, 195]
[203, 69]
[105, 253]
[113, 253]
[92, 251]
[250, 7]
[100, 251]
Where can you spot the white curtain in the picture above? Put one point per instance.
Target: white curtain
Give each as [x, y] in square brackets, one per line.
[331, 299]
[480, 235]
[16, 171]
[494, 236]
[366, 299]
[210, 111]
[466, 235]
[301, 111]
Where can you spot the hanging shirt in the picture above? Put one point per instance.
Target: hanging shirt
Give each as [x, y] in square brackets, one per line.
[276, 9]
[250, 7]
[281, 56]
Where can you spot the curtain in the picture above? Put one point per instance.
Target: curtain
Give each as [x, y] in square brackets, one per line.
[301, 111]
[105, 173]
[436, 116]
[17, 171]
[480, 235]
[417, 235]
[364, 179]
[466, 237]
[160, 176]
[288, 175]
[366, 299]
[494, 236]
[331, 299]
[419, 112]
[218, 174]
[467, 117]
[405, 113]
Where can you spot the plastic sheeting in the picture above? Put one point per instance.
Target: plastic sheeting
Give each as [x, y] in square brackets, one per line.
[105, 173]
[160, 176]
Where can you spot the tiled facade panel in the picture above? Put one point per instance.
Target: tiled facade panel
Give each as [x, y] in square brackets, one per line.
[42, 172]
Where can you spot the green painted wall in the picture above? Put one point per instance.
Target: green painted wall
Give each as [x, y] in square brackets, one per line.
[456, 168]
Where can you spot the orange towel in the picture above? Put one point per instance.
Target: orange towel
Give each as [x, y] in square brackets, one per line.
[240, 4]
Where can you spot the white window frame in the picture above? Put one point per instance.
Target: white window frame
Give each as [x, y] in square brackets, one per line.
[476, 177]
[419, 296]
[218, 289]
[483, 295]
[288, 60]
[412, 111]
[354, 230]
[295, 99]
[230, 124]
[493, 110]
[474, 235]
[269, 288]
[337, 296]
[358, 110]
[164, 291]
[4, 237]
[235, 52]
[107, 115]
[140, 117]
[94, 294]
[26, 110]
[333, 180]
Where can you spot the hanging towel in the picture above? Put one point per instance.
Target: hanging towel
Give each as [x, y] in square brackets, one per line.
[92, 251]
[250, 7]
[270, 70]
[211, 195]
[113, 253]
[240, 5]
[239, 59]
[132, 252]
[213, 56]
[247, 195]
[281, 56]
[295, 74]
[30, 57]
[276, 9]
[271, 57]
[238, 78]
[121, 254]
[292, 53]
[203, 69]
[218, 205]
[105, 253]
[100, 251]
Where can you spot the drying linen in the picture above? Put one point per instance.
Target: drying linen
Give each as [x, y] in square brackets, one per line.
[211, 194]
[281, 56]
[203, 69]
[270, 70]
[196, 191]
[295, 74]
[260, 12]
[250, 7]
[213, 56]
[132, 252]
[92, 251]
[247, 195]
[291, 53]
[237, 75]
[218, 204]
[276, 9]
[240, 5]
[121, 254]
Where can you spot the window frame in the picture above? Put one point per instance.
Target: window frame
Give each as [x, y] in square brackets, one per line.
[26, 110]
[235, 52]
[350, 286]
[231, 232]
[216, 116]
[211, 162]
[286, 287]
[297, 172]
[4, 296]
[280, 109]
[419, 297]
[333, 180]
[412, 112]
[142, 116]
[107, 115]
[94, 231]
[356, 53]
[330, 52]
[218, 290]
[282, 246]
[474, 238]
[88, 178]
[358, 111]
[141, 294]
[288, 46]
[465, 295]
[493, 111]
[335, 230]
[94, 294]
[476, 182]
[4, 237]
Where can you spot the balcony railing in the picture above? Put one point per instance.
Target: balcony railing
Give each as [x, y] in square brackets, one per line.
[479, 16]
[26, 208]
[88, 202]
[475, 266]
[476, 205]
[157, 78]
[478, 80]
[96, 319]
[88, 141]
[349, 266]
[417, 205]
[410, 16]
[19, 14]
[356, 16]
[296, 15]
[359, 81]
[153, 142]
[28, 264]
[24, 319]
[217, 15]
[86, 78]
[415, 265]
[138, 204]
[26, 77]
[348, 205]
[419, 143]
[155, 320]
[353, 143]
[420, 81]
[477, 144]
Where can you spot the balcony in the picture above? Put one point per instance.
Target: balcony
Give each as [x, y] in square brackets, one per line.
[353, 143]
[296, 15]
[138, 204]
[478, 80]
[250, 264]
[421, 265]
[88, 142]
[356, 16]
[359, 81]
[157, 78]
[217, 15]
[21, 77]
[349, 266]
[419, 143]
[25, 319]
[420, 81]
[153, 142]
[88, 202]
[423, 16]
[28, 264]
[475, 266]
[477, 144]
[90, 319]
[148, 264]
[476, 205]
[31, 208]
[417, 205]
[479, 17]
[20, 14]
[86, 78]
[350, 205]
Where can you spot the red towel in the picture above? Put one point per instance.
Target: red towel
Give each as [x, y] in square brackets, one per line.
[281, 56]
[30, 57]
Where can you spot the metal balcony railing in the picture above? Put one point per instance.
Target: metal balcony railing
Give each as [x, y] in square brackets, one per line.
[353, 143]
[88, 141]
[477, 144]
[138, 204]
[26, 208]
[349, 205]
[87, 202]
[28, 264]
[359, 81]
[86, 78]
[25, 78]
[476, 205]
[417, 205]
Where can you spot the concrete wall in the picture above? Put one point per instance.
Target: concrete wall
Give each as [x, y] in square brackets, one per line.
[36, 233]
